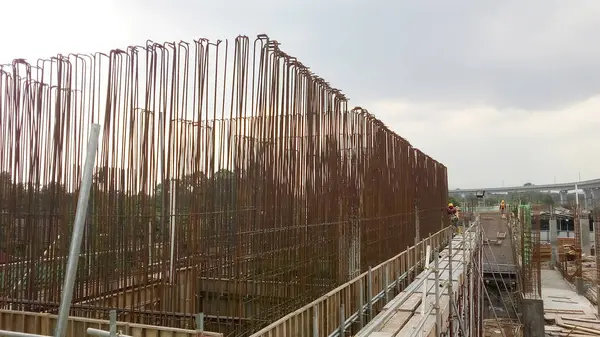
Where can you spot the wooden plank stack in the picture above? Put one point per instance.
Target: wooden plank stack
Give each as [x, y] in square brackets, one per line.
[546, 248]
[572, 325]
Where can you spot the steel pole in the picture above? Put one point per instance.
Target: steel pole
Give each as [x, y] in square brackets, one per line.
[80, 215]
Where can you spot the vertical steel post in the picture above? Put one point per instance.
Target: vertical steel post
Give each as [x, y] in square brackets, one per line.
[465, 252]
[370, 293]
[80, 215]
[438, 314]
[200, 323]
[342, 320]
[471, 315]
[481, 284]
[425, 288]
[315, 321]
[450, 293]
[386, 281]
[361, 303]
[113, 323]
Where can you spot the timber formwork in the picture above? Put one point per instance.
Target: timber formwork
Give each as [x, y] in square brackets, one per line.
[44, 324]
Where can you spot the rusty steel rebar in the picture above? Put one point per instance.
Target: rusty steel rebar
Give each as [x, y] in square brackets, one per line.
[536, 263]
[529, 250]
[230, 180]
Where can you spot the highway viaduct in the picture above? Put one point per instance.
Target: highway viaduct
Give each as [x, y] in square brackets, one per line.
[589, 188]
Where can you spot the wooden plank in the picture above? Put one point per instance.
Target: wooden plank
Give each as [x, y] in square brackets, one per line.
[381, 334]
[428, 327]
[397, 321]
[412, 303]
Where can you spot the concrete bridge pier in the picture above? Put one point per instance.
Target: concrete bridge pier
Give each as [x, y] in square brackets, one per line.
[586, 245]
[593, 195]
[554, 240]
[587, 198]
[563, 197]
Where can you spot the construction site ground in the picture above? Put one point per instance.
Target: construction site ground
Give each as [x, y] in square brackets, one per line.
[566, 312]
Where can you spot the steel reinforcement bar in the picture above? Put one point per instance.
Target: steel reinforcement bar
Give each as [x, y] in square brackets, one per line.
[230, 181]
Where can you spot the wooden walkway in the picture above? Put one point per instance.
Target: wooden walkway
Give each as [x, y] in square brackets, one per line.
[402, 316]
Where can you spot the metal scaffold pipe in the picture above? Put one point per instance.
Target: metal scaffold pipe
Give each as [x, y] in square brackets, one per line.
[80, 217]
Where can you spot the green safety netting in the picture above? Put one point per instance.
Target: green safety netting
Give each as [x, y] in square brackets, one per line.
[525, 214]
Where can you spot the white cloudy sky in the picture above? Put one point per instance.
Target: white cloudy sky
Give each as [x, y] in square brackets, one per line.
[501, 92]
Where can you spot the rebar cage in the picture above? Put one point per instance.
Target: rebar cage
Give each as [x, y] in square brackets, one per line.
[230, 180]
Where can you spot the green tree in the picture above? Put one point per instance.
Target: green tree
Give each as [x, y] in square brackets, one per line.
[6, 187]
[454, 201]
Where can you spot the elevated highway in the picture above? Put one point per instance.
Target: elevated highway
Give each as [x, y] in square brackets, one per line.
[590, 189]
[584, 185]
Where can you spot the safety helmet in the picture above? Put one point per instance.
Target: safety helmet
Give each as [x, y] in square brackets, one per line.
[450, 205]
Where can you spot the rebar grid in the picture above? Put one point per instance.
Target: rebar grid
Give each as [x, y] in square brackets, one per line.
[529, 250]
[231, 181]
[536, 265]
[526, 249]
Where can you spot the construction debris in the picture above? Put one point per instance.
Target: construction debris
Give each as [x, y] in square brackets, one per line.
[569, 325]
[493, 328]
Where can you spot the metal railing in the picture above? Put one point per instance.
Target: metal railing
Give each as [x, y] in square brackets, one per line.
[421, 283]
[112, 329]
[355, 302]
[112, 332]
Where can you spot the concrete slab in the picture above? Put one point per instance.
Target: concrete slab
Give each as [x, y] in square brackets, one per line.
[559, 295]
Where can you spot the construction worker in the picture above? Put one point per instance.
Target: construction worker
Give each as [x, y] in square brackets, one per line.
[451, 210]
[502, 206]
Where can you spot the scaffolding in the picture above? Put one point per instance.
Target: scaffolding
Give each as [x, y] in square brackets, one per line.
[443, 299]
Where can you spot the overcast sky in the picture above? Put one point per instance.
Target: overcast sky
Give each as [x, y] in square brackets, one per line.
[501, 92]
